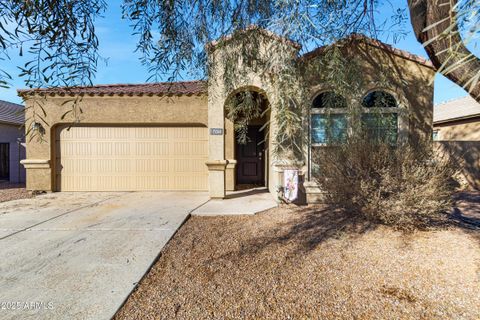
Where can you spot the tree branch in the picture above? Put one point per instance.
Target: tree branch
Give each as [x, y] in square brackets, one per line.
[436, 27]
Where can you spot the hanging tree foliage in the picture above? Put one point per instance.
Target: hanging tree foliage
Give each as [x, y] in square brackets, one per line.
[62, 48]
[57, 37]
[59, 40]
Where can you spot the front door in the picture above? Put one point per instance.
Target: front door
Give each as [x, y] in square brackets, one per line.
[250, 158]
[4, 161]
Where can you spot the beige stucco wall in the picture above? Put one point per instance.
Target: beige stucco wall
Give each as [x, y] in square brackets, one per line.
[408, 81]
[463, 130]
[461, 139]
[230, 173]
[98, 110]
[466, 156]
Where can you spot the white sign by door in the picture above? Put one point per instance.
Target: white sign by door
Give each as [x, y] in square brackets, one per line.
[290, 183]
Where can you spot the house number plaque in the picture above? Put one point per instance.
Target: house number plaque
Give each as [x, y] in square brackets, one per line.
[216, 131]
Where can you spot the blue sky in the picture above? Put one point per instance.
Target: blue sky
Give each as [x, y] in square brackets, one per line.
[122, 65]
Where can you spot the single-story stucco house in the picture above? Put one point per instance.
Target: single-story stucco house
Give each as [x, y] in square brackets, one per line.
[457, 120]
[456, 129]
[12, 138]
[176, 136]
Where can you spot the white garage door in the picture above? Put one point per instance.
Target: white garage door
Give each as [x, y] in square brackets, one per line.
[131, 158]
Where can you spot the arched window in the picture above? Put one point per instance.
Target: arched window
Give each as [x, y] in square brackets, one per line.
[329, 99]
[380, 117]
[328, 119]
[379, 99]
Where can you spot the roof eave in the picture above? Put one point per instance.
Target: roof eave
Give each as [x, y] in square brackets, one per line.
[30, 94]
[119, 90]
[473, 116]
[373, 43]
[211, 46]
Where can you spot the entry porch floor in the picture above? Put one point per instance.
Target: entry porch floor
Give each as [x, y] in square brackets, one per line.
[243, 202]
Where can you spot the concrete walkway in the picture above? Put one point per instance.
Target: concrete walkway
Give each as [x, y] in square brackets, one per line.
[79, 255]
[243, 202]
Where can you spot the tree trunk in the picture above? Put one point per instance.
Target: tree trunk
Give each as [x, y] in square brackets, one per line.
[447, 51]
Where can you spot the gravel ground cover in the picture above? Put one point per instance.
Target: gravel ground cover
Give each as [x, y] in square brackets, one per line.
[10, 191]
[310, 263]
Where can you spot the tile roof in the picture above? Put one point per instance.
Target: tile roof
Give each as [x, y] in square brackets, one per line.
[457, 109]
[375, 43]
[200, 87]
[158, 88]
[11, 113]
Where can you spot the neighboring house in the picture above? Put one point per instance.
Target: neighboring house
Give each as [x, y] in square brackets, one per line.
[457, 120]
[175, 136]
[12, 142]
[456, 128]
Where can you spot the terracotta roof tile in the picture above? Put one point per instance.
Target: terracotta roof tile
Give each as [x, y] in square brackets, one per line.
[158, 88]
[200, 87]
[11, 113]
[375, 43]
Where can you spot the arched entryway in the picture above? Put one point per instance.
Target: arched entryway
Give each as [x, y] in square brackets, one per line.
[247, 139]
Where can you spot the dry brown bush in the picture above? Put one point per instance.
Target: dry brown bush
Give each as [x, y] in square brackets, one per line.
[406, 186]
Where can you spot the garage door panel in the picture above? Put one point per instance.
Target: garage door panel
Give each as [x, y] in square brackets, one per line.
[187, 165]
[191, 148]
[132, 158]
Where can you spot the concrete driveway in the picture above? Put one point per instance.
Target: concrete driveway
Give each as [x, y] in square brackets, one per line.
[79, 255]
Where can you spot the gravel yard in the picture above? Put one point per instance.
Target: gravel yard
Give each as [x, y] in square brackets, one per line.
[10, 191]
[310, 262]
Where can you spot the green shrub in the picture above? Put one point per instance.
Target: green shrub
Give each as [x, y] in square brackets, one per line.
[405, 186]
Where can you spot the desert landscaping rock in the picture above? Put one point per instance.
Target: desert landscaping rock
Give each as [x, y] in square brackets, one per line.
[9, 191]
[310, 263]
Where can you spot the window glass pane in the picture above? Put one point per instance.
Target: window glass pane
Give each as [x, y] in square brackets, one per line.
[319, 125]
[329, 128]
[381, 127]
[329, 100]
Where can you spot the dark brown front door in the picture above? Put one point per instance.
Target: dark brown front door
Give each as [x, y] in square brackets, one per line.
[250, 158]
[4, 161]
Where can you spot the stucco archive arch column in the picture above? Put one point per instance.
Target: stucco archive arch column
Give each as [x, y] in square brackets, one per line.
[242, 60]
[216, 140]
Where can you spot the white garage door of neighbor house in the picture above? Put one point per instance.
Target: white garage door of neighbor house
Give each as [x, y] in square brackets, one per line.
[131, 158]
